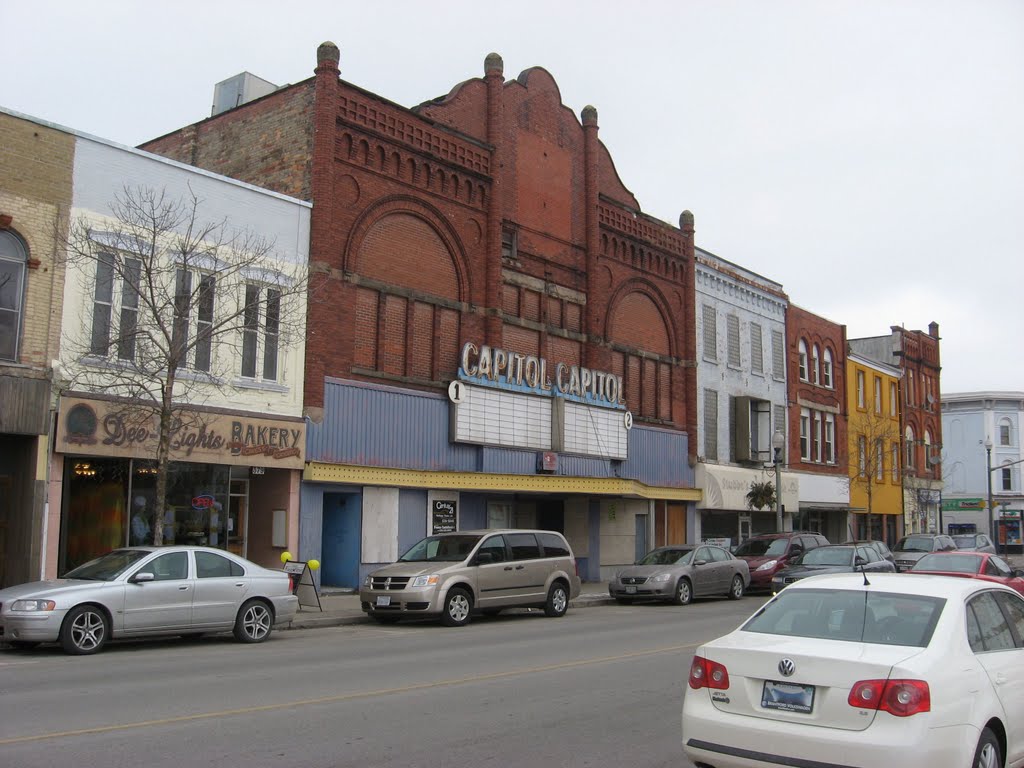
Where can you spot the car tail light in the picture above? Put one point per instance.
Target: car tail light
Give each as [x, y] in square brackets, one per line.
[901, 698]
[705, 673]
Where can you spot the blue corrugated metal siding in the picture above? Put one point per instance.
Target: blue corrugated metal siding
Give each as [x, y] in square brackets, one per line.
[380, 426]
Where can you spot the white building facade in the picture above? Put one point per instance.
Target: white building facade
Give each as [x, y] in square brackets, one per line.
[982, 429]
[741, 399]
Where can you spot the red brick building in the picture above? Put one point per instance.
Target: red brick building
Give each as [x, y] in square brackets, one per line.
[491, 217]
[816, 362]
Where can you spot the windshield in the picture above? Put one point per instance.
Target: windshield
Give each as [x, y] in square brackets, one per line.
[885, 618]
[941, 561]
[915, 544]
[965, 542]
[108, 567]
[667, 557]
[761, 548]
[828, 556]
[446, 548]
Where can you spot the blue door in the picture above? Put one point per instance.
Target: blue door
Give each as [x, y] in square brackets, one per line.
[341, 533]
[641, 536]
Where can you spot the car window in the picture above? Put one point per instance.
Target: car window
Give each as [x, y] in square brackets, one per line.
[679, 556]
[1013, 607]
[993, 633]
[914, 544]
[869, 554]
[719, 555]
[169, 567]
[109, 566]
[524, 546]
[446, 548]
[554, 545]
[883, 548]
[996, 567]
[496, 546]
[704, 554]
[885, 618]
[965, 542]
[942, 561]
[212, 566]
[753, 548]
[829, 556]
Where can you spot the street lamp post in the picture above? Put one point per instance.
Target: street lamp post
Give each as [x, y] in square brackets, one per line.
[988, 466]
[778, 443]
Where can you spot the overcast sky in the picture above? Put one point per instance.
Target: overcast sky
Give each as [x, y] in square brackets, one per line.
[868, 155]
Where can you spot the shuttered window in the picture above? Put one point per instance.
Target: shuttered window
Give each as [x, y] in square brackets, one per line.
[733, 337]
[710, 328]
[711, 425]
[756, 353]
[778, 356]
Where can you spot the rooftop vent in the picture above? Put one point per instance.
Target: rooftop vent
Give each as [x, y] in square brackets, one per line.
[237, 90]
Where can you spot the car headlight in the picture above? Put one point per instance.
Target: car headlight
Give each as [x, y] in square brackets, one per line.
[767, 566]
[425, 581]
[33, 605]
[368, 581]
[661, 577]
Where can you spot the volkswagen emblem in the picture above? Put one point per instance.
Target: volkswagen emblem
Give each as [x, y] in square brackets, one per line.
[787, 667]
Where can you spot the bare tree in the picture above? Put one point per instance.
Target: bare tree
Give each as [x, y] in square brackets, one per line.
[871, 437]
[175, 307]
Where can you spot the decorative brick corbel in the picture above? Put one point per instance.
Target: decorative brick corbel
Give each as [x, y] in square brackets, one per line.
[5, 220]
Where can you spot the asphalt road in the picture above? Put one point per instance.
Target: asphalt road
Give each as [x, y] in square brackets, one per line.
[602, 686]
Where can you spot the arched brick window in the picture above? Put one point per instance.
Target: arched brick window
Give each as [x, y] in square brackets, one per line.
[13, 263]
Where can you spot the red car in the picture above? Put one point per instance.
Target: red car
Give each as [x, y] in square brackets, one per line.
[971, 565]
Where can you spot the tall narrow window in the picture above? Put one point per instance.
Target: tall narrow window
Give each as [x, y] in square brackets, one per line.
[262, 312]
[911, 399]
[732, 328]
[815, 365]
[830, 438]
[13, 262]
[132, 272]
[878, 394]
[1004, 432]
[756, 351]
[862, 456]
[802, 360]
[893, 399]
[805, 434]
[182, 309]
[709, 332]
[778, 356]
[711, 425]
[271, 325]
[826, 369]
[927, 451]
[780, 420]
[910, 448]
[250, 330]
[861, 401]
[895, 461]
[817, 436]
[204, 322]
[102, 305]
[1006, 478]
[879, 460]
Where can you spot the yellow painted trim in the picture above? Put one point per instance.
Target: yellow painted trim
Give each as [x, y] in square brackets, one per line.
[316, 472]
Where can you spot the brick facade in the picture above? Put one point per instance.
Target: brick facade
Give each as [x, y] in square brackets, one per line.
[492, 215]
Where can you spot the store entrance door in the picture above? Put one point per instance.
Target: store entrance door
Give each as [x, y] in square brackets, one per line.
[341, 536]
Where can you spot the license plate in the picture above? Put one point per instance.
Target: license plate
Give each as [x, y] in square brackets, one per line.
[383, 601]
[630, 590]
[788, 697]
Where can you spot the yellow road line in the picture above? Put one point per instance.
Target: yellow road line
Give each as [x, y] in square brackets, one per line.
[343, 696]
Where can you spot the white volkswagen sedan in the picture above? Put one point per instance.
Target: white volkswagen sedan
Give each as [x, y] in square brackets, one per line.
[848, 671]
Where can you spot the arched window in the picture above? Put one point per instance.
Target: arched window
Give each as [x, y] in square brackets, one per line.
[816, 364]
[803, 360]
[1005, 432]
[927, 450]
[13, 261]
[909, 443]
[826, 369]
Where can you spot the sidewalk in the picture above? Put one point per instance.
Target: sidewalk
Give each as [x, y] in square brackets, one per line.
[341, 607]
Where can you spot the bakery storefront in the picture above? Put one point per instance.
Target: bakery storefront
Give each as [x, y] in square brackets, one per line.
[233, 482]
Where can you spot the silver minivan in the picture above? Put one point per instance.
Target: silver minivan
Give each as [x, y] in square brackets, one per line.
[451, 575]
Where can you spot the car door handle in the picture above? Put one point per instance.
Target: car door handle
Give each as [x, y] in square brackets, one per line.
[1001, 678]
[183, 587]
[508, 568]
[239, 583]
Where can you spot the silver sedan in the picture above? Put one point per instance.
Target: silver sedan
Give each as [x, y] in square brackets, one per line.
[148, 591]
[680, 573]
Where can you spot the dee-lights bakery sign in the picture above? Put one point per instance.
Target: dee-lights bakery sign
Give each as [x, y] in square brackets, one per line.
[110, 428]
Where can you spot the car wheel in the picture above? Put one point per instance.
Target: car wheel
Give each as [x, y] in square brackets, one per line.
[385, 619]
[684, 592]
[987, 755]
[736, 590]
[558, 601]
[85, 630]
[22, 645]
[457, 607]
[254, 622]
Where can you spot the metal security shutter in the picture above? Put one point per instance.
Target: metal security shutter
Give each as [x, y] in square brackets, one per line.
[710, 329]
[756, 349]
[711, 425]
[778, 356]
[733, 337]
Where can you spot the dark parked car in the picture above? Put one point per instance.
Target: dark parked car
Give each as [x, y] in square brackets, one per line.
[879, 546]
[834, 558]
[768, 553]
[681, 573]
[974, 542]
[910, 549]
[972, 565]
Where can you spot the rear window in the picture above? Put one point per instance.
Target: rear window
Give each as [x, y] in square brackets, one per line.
[885, 618]
[915, 544]
[762, 548]
[554, 545]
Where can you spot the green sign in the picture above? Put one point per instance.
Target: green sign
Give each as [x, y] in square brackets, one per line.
[953, 505]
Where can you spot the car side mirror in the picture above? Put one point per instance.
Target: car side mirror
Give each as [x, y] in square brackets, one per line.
[142, 576]
[700, 562]
[858, 560]
[1019, 573]
[484, 557]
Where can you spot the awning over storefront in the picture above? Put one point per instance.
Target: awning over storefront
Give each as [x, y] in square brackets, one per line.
[727, 487]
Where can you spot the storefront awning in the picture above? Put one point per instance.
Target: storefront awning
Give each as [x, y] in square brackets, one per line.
[727, 487]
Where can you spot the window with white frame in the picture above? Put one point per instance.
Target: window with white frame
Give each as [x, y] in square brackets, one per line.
[802, 359]
[878, 394]
[1006, 479]
[778, 356]
[780, 420]
[194, 296]
[805, 434]
[711, 425]
[816, 448]
[13, 266]
[910, 447]
[709, 321]
[826, 369]
[732, 332]
[260, 332]
[861, 402]
[830, 438]
[879, 460]
[893, 399]
[756, 349]
[815, 365]
[895, 461]
[862, 456]
[1005, 432]
[115, 294]
[927, 449]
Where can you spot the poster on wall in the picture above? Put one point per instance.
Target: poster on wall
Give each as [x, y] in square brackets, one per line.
[442, 516]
